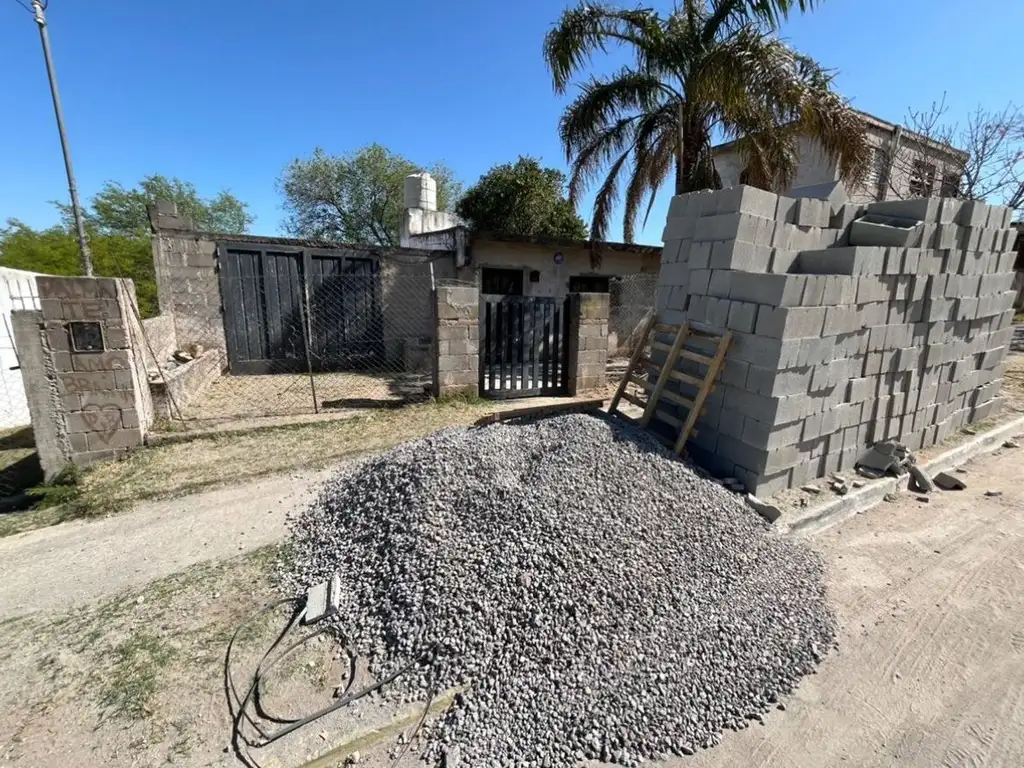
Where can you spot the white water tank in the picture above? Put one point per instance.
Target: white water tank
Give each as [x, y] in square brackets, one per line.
[421, 191]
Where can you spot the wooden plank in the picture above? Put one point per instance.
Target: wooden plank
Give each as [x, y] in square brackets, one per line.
[686, 378]
[556, 348]
[645, 383]
[677, 399]
[702, 393]
[666, 368]
[661, 347]
[638, 353]
[666, 328]
[696, 357]
[631, 398]
[570, 406]
[672, 421]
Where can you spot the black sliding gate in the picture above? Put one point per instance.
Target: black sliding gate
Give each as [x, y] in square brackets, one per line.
[523, 347]
[290, 310]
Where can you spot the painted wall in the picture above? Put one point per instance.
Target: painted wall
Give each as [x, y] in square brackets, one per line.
[816, 167]
[17, 291]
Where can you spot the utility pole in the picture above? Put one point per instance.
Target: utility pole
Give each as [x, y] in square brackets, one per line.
[83, 243]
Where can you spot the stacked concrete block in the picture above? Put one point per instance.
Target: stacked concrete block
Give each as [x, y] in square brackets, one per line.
[84, 371]
[588, 342]
[837, 346]
[456, 341]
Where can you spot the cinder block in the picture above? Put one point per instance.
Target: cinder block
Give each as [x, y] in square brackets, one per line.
[973, 213]
[742, 316]
[785, 210]
[747, 199]
[719, 284]
[700, 255]
[726, 226]
[839, 319]
[740, 255]
[790, 322]
[919, 209]
[773, 290]
[783, 261]
[849, 260]
[700, 281]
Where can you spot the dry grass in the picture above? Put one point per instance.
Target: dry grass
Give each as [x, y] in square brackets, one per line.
[178, 468]
[139, 674]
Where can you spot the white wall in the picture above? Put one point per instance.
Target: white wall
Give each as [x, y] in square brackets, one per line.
[17, 291]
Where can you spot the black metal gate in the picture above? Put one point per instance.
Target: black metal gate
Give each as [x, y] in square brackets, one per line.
[287, 311]
[523, 351]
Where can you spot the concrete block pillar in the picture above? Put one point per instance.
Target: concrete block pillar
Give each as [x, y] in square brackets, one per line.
[456, 340]
[87, 388]
[588, 341]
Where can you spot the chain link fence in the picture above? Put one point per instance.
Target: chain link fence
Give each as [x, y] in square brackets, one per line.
[288, 343]
[630, 301]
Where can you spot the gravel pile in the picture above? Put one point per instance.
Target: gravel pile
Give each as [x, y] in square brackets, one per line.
[600, 599]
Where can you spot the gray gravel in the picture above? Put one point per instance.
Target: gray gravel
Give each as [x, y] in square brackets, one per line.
[600, 598]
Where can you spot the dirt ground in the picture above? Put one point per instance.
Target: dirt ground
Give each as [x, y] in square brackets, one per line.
[930, 670]
[234, 397]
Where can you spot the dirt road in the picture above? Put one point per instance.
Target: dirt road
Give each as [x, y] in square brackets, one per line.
[86, 560]
[930, 670]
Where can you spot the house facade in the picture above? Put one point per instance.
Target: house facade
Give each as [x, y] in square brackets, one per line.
[904, 164]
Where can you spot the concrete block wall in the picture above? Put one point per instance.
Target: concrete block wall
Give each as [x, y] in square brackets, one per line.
[837, 346]
[456, 363]
[588, 341]
[86, 405]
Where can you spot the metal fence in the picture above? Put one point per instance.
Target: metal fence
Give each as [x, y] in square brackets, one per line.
[285, 345]
[631, 299]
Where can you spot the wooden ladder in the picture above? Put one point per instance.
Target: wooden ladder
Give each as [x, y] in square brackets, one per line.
[656, 387]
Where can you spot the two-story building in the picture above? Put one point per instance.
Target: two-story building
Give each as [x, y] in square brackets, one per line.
[903, 164]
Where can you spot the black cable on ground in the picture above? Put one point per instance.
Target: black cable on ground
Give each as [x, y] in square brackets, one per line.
[238, 705]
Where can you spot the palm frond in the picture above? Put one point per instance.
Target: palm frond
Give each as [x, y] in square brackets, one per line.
[583, 30]
[601, 102]
[590, 158]
[607, 197]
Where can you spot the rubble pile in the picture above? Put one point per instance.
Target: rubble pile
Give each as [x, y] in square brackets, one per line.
[595, 596]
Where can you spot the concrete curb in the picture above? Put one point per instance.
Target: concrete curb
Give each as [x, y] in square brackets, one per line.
[814, 520]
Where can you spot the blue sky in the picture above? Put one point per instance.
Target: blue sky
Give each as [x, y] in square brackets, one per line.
[224, 93]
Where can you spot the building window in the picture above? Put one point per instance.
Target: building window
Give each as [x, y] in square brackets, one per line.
[878, 174]
[588, 284]
[922, 179]
[503, 282]
[951, 185]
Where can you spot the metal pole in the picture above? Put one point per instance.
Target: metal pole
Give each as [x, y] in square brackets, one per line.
[83, 242]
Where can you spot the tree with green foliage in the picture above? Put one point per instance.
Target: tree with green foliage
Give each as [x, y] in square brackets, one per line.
[118, 227]
[54, 251]
[522, 199]
[355, 198]
[710, 67]
[115, 210]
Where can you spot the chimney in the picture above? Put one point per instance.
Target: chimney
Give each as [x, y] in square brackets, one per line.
[421, 191]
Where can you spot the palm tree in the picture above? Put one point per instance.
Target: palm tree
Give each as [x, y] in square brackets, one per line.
[710, 66]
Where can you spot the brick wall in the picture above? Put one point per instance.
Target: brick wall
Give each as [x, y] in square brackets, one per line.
[457, 345]
[588, 341]
[90, 403]
[837, 346]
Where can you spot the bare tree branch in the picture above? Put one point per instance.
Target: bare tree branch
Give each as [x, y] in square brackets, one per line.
[991, 168]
